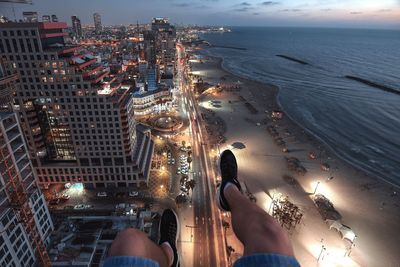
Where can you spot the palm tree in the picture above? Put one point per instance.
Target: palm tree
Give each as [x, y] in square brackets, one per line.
[180, 199]
[190, 185]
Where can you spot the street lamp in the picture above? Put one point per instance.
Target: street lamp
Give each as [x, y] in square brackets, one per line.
[323, 248]
[316, 187]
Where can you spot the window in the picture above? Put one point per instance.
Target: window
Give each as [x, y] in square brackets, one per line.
[15, 45]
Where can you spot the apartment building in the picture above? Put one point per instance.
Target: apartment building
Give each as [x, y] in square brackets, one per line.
[77, 118]
[25, 222]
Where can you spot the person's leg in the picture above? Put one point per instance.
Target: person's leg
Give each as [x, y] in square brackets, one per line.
[255, 228]
[134, 243]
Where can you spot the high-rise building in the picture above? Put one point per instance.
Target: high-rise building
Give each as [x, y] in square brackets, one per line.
[30, 16]
[78, 120]
[76, 27]
[165, 41]
[97, 23]
[25, 222]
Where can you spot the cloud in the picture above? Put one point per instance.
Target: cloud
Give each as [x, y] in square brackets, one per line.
[244, 4]
[355, 13]
[326, 9]
[242, 9]
[256, 13]
[269, 3]
[291, 10]
[385, 10]
[182, 4]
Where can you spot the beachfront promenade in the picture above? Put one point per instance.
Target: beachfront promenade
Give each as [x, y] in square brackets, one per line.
[365, 204]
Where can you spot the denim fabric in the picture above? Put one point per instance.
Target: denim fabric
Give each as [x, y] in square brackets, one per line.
[129, 261]
[266, 260]
[256, 260]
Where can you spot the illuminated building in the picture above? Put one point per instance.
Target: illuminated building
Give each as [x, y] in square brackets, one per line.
[78, 120]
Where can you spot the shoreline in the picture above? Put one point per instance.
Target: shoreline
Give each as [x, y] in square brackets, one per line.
[370, 206]
[316, 140]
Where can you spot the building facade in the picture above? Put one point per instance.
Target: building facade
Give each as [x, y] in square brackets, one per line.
[165, 41]
[78, 121]
[25, 222]
[76, 27]
[151, 102]
[97, 23]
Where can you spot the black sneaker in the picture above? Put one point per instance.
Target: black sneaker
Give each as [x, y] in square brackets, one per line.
[228, 168]
[169, 229]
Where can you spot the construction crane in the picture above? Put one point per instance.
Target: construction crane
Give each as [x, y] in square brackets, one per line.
[16, 190]
[16, 2]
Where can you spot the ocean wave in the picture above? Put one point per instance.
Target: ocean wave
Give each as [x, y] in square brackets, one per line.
[356, 137]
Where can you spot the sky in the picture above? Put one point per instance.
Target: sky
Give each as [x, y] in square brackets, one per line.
[302, 13]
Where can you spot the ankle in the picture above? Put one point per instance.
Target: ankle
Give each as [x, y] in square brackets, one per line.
[168, 251]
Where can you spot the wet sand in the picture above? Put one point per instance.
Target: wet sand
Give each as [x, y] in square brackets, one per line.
[368, 205]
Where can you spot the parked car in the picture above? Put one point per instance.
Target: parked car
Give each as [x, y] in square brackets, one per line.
[133, 193]
[82, 207]
[65, 197]
[102, 194]
[54, 202]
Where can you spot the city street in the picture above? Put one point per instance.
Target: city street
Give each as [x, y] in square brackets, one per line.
[208, 249]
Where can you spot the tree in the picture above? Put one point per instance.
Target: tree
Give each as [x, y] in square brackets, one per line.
[183, 143]
[191, 184]
[180, 199]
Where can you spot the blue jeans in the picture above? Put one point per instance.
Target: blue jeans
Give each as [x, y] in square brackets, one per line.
[256, 260]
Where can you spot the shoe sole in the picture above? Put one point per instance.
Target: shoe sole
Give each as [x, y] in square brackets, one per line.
[218, 199]
[178, 232]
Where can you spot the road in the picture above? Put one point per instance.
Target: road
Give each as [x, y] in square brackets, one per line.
[208, 237]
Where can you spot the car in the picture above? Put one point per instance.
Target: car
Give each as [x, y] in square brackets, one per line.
[133, 193]
[120, 206]
[82, 207]
[173, 161]
[169, 154]
[54, 202]
[178, 171]
[102, 194]
[68, 207]
[184, 189]
[65, 197]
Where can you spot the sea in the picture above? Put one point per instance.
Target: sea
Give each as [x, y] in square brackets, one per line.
[360, 123]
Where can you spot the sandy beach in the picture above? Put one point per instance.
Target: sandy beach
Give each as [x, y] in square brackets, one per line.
[366, 204]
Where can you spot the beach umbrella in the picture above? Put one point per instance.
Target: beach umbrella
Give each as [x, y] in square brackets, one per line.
[335, 224]
[347, 233]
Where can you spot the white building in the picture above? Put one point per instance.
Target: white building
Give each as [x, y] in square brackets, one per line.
[25, 222]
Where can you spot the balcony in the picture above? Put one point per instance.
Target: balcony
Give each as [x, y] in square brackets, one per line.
[53, 34]
[26, 172]
[19, 154]
[97, 77]
[90, 71]
[12, 133]
[16, 144]
[9, 122]
[22, 164]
